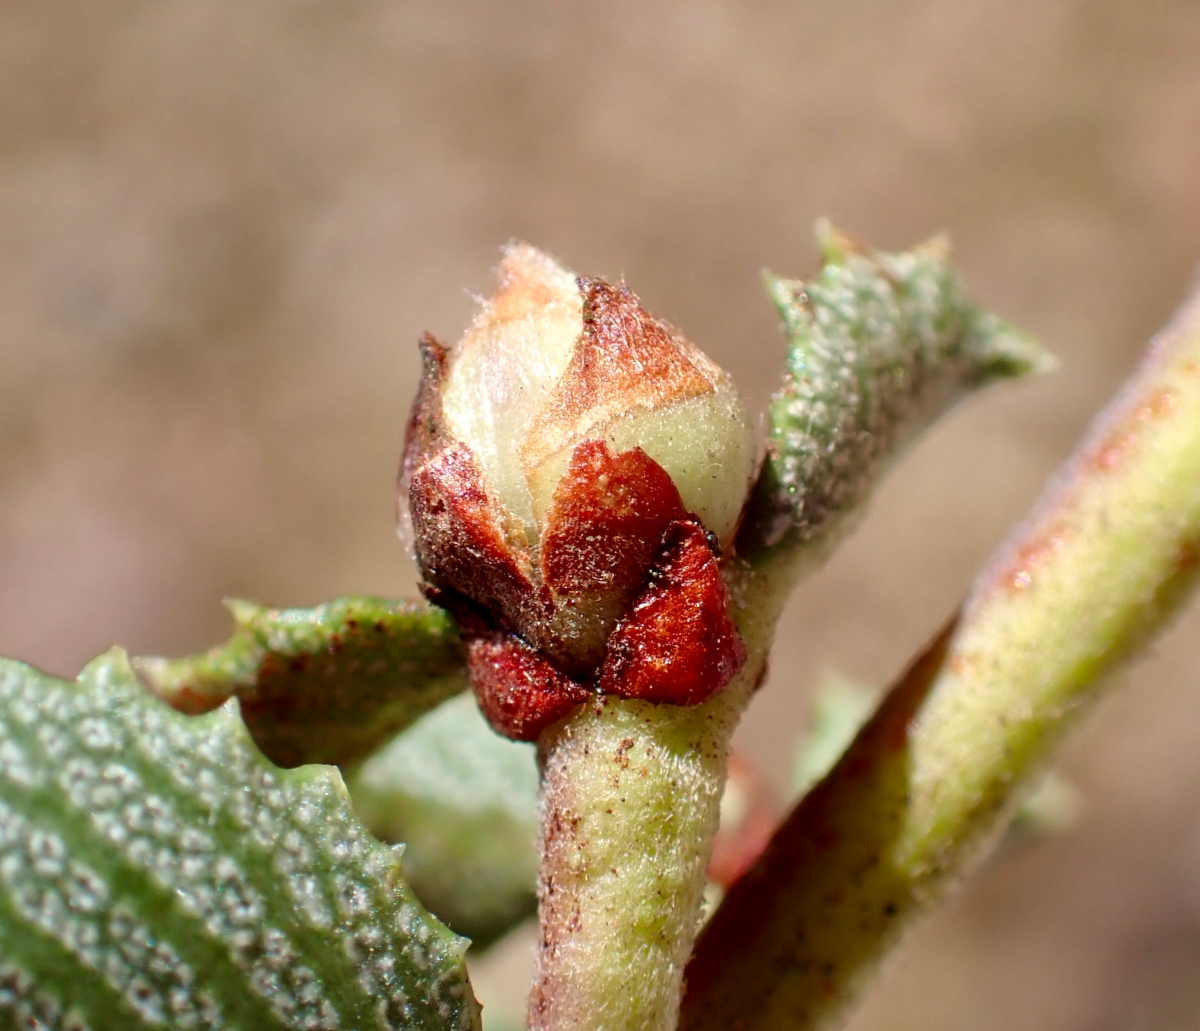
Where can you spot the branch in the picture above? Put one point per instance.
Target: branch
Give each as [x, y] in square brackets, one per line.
[879, 346]
[1106, 559]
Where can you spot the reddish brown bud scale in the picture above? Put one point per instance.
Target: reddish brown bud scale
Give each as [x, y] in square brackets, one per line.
[446, 514]
[607, 520]
[519, 691]
[678, 644]
[562, 468]
[425, 432]
[458, 543]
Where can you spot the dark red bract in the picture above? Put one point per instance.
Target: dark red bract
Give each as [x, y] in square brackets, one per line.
[607, 521]
[678, 644]
[519, 691]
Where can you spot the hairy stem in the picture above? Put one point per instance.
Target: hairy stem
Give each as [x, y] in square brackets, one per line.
[630, 797]
[879, 346]
[1104, 561]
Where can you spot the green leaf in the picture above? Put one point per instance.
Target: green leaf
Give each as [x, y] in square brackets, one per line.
[330, 684]
[839, 709]
[157, 871]
[1055, 807]
[465, 801]
[879, 345]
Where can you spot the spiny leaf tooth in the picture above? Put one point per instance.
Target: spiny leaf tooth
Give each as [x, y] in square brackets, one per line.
[836, 246]
[1002, 351]
[788, 297]
[245, 613]
[936, 248]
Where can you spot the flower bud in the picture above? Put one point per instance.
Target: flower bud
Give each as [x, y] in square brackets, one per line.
[569, 447]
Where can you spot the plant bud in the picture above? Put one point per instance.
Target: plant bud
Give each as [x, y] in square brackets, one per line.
[569, 455]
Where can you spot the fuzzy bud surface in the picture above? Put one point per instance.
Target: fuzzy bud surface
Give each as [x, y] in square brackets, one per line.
[572, 471]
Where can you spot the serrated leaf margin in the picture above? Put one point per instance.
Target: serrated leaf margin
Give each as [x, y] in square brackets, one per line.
[121, 905]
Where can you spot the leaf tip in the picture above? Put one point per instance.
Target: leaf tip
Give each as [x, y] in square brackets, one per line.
[107, 666]
[835, 246]
[244, 613]
[1002, 351]
[788, 297]
[936, 248]
[177, 683]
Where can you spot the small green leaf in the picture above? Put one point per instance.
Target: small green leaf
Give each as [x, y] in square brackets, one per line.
[839, 708]
[465, 802]
[330, 684]
[879, 345]
[1055, 807]
[157, 871]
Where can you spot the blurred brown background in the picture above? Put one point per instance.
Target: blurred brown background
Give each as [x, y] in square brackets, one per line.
[223, 226]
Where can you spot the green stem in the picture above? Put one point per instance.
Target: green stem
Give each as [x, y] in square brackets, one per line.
[1102, 564]
[630, 798]
[880, 346]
